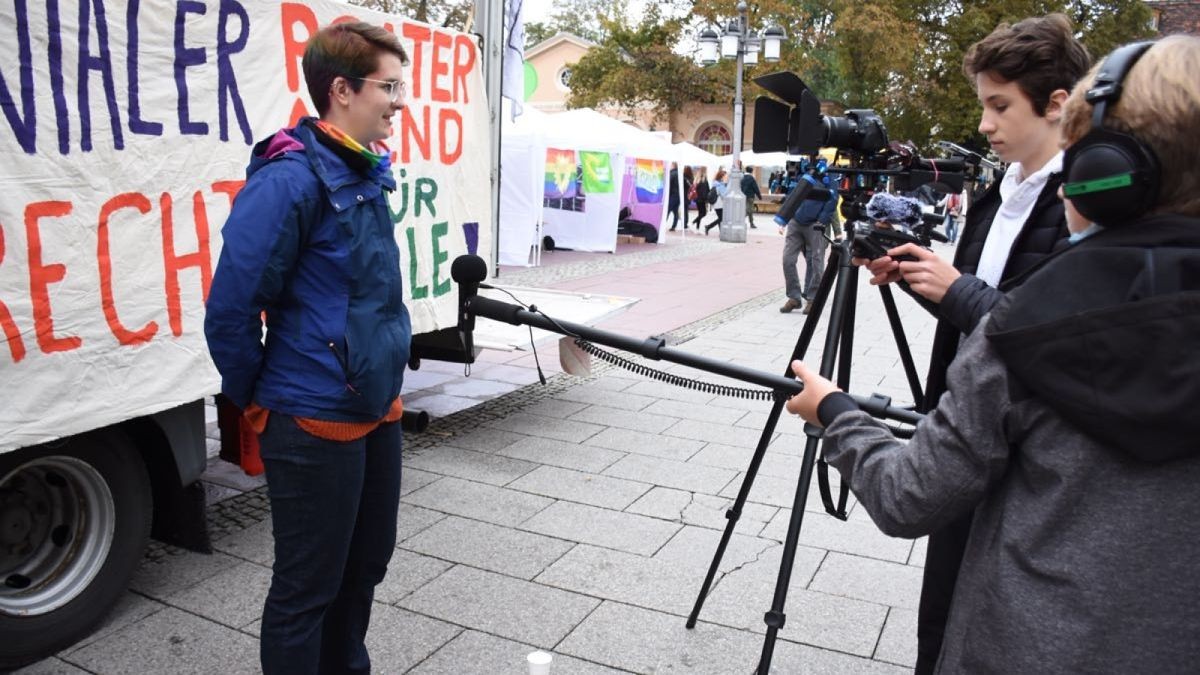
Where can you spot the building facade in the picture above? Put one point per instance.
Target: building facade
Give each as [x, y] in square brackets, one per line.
[1176, 16]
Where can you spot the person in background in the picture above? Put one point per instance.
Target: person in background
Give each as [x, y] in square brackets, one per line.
[1068, 428]
[720, 187]
[806, 233]
[702, 190]
[310, 244]
[689, 192]
[1023, 74]
[673, 196]
[751, 190]
[952, 204]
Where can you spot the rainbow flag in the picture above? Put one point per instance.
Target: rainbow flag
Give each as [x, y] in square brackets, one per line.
[562, 177]
[648, 178]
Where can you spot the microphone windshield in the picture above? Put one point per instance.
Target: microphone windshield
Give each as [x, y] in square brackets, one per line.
[469, 269]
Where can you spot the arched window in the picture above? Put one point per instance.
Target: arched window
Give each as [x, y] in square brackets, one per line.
[715, 138]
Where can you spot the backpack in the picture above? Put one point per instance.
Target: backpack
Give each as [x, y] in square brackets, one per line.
[712, 196]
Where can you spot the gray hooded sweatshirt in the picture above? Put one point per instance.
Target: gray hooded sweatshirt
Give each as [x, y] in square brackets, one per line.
[1071, 428]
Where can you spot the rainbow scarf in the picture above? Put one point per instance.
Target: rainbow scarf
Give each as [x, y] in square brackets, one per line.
[378, 164]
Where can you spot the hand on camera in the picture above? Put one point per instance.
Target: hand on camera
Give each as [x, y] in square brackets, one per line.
[929, 275]
[883, 269]
[816, 388]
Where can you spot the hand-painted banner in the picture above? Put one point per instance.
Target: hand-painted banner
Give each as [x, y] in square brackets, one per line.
[126, 129]
[562, 174]
[597, 172]
[648, 177]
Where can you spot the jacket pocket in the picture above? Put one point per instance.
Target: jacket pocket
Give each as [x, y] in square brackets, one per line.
[343, 362]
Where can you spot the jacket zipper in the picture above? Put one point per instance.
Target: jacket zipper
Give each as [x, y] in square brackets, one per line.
[345, 368]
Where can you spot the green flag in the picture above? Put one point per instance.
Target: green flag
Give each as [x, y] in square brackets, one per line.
[597, 172]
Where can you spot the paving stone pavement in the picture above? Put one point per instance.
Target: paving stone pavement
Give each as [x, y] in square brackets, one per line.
[579, 518]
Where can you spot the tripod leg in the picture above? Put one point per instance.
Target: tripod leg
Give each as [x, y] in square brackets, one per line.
[836, 332]
[735, 511]
[846, 350]
[775, 618]
[910, 368]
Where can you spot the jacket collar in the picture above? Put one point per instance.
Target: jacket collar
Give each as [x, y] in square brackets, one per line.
[331, 169]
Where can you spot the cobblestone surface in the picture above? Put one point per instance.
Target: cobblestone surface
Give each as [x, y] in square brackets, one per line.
[596, 263]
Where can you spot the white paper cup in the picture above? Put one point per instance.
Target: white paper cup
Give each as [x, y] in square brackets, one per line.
[539, 663]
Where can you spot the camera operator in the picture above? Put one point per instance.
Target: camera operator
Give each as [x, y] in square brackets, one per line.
[1023, 74]
[1068, 428]
[805, 232]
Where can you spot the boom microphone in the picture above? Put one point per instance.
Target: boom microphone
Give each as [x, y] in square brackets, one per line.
[468, 271]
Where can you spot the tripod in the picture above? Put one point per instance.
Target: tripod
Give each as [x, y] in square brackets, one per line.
[470, 271]
[839, 336]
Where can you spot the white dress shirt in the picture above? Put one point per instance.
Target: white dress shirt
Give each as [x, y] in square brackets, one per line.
[1017, 198]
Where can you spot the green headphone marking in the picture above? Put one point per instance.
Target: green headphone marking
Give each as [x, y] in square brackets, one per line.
[1098, 185]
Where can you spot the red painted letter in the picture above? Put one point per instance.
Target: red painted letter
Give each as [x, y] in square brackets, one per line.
[291, 14]
[449, 117]
[464, 61]
[439, 67]
[124, 335]
[419, 35]
[173, 263]
[41, 276]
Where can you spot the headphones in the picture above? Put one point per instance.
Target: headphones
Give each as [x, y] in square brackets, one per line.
[1111, 177]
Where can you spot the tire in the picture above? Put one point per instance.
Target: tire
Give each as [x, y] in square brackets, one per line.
[74, 521]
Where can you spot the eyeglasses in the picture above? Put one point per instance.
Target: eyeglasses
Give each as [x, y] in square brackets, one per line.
[394, 88]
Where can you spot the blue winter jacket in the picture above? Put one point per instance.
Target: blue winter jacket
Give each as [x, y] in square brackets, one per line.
[310, 242]
[813, 211]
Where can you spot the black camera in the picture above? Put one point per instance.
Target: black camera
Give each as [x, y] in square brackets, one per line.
[872, 241]
[805, 129]
[792, 122]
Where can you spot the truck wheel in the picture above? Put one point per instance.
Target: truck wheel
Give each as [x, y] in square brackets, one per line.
[74, 521]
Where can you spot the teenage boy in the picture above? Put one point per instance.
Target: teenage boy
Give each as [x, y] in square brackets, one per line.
[310, 244]
[1069, 426]
[1023, 74]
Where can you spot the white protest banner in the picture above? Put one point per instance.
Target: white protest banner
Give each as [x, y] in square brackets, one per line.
[127, 126]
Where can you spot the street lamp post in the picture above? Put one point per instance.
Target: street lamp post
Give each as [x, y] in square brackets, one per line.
[738, 42]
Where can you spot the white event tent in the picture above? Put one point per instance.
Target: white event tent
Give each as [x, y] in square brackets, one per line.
[524, 142]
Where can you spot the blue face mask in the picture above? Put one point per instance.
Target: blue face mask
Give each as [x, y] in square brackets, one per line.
[1077, 237]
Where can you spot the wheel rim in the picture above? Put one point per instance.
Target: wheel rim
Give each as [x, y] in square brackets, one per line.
[57, 518]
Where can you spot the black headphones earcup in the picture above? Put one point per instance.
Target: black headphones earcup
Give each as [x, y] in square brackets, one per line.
[1102, 155]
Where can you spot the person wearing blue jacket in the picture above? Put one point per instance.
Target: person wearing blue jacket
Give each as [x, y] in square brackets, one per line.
[806, 232]
[310, 245]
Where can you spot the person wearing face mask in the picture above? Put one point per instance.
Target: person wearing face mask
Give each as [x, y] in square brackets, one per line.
[1068, 430]
[1023, 74]
[310, 245]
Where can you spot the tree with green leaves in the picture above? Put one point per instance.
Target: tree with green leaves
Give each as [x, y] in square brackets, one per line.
[902, 58]
[945, 107]
[588, 19]
[635, 68]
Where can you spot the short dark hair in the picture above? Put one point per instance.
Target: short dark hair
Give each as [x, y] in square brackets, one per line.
[1040, 54]
[350, 50]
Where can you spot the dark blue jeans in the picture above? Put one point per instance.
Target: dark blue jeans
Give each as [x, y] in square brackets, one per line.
[333, 510]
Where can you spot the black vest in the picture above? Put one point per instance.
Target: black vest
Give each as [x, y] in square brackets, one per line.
[1044, 232]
